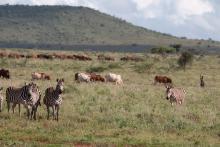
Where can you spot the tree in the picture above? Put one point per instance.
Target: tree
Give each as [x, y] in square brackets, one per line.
[176, 46]
[185, 58]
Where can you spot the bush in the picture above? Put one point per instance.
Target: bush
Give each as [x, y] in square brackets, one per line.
[163, 50]
[185, 58]
[176, 46]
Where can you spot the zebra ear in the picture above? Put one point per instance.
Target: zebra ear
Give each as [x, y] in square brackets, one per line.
[63, 79]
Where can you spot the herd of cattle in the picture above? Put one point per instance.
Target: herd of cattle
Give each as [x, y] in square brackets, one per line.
[30, 96]
[65, 56]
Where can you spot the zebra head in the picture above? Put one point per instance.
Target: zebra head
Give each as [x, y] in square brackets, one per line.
[60, 86]
[168, 91]
[31, 90]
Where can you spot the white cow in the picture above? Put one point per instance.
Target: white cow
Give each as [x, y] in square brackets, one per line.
[111, 77]
[82, 77]
[36, 76]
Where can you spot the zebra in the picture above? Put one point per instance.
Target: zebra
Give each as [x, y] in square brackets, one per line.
[52, 98]
[34, 108]
[175, 95]
[1, 100]
[19, 96]
[36, 98]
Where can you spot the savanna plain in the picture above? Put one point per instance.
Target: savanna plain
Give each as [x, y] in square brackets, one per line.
[104, 114]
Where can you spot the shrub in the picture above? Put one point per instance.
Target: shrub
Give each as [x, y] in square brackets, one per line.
[185, 58]
[176, 46]
[163, 50]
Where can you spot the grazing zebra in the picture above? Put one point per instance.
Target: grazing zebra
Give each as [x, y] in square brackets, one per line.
[53, 98]
[19, 96]
[1, 100]
[175, 95]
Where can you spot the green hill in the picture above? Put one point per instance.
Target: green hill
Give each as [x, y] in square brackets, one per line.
[66, 25]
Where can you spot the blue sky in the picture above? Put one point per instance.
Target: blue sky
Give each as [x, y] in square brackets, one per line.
[191, 18]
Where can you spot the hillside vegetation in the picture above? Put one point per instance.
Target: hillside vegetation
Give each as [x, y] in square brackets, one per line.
[65, 25]
[134, 114]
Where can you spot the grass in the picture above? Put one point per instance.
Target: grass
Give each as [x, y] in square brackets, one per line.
[104, 114]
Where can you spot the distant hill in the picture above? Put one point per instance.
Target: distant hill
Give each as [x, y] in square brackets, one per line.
[68, 26]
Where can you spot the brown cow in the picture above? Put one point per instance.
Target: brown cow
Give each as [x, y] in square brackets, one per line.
[34, 56]
[107, 58]
[129, 58]
[162, 79]
[94, 77]
[60, 56]
[3, 54]
[45, 76]
[82, 58]
[4, 73]
[45, 56]
[14, 55]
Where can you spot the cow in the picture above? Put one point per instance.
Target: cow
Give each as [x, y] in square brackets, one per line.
[45, 76]
[202, 83]
[45, 56]
[40, 76]
[82, 77]
[3, 54]
[176, 95]
[111, 77]
[131, 58]
[36, 76]
[14, 55]
[162, 79]
[95, 78]
[4, 73]
[34, 56]
[82, 58]
[107, 58]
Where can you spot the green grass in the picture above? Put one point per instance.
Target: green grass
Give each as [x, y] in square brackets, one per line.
[102, 114]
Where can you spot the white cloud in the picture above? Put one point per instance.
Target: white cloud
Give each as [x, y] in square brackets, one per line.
[185, 9]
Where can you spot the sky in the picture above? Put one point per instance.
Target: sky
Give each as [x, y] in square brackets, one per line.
[198, 19]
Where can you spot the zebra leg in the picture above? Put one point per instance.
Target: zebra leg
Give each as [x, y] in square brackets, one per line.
[58, 108]
[28, 112]
[19, 109]
[8, 105]
[48, 112]
[13, 107]
[32, 112]
[53, 109]
[35, 111]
